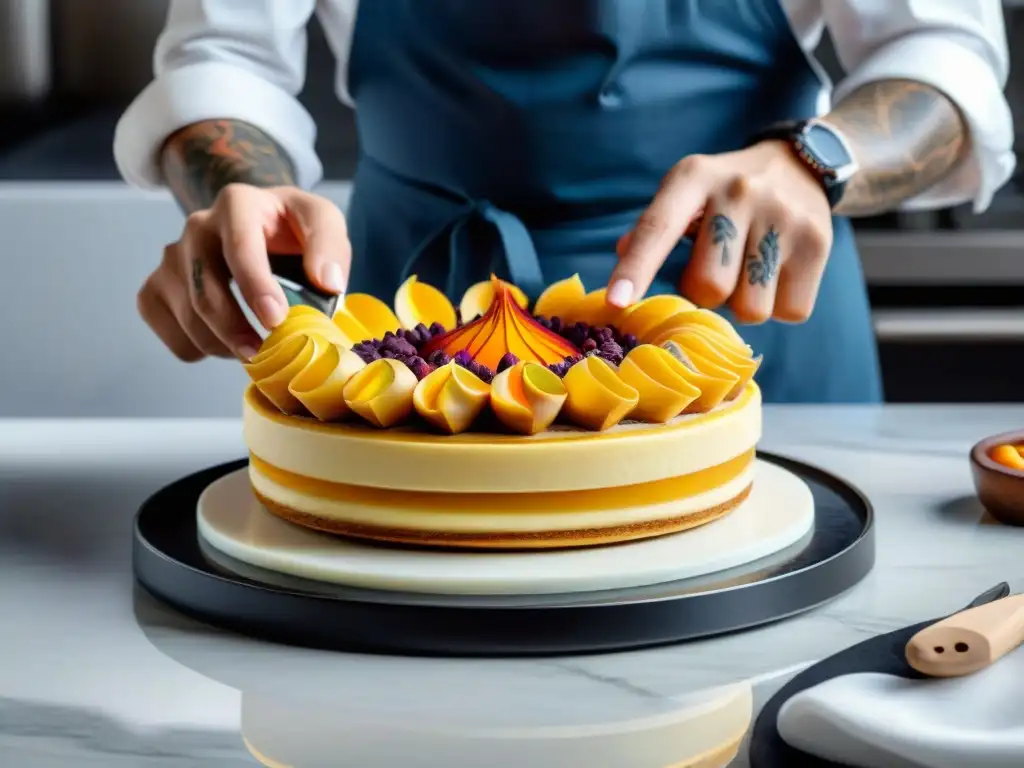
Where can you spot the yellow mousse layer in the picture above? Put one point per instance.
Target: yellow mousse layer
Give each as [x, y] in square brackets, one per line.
[504, 512]
[559, 459]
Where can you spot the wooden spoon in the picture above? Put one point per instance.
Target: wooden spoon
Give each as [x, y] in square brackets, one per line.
[968, 641]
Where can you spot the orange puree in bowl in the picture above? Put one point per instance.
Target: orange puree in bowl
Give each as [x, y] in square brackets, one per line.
[1011, 456]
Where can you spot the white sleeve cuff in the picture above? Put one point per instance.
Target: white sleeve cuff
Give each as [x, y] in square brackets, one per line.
[211, 91]
[970, 82]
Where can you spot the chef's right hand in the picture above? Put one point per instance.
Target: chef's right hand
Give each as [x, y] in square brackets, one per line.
[187, 301]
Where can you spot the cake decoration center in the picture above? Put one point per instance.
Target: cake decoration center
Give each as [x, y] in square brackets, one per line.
[504, 329]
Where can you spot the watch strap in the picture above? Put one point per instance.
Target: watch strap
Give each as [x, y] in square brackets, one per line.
[793, 133]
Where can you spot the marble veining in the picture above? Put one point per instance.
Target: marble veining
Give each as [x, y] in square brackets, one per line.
[95, 672]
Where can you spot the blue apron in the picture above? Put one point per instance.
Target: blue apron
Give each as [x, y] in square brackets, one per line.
[524, 137]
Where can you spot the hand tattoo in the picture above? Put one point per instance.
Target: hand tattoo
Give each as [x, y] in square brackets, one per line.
[197, 276]
[201, 159]
[723, 232]
[762, 266]
[905, 135]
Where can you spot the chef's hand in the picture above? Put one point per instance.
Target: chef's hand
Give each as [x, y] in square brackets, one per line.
[762, 245]
[187, 301]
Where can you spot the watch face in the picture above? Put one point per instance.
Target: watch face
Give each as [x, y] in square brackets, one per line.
[826, 146]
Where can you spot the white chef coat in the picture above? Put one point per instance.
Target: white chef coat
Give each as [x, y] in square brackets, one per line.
[245, 60]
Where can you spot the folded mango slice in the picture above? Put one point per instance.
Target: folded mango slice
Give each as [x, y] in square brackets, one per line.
[559, 299]
[713, 382]
[302, 319]
[382, 392]
[349, 325]
[478, 299]
[527, 397]
[648, 313]
[661, 381]
[594, 309]
[417, 302]
[689, 318]
[320, 385]
[505, 328]
[701, 345]
[274, 367]
[373, 314]
[451, 398]
[597, 398]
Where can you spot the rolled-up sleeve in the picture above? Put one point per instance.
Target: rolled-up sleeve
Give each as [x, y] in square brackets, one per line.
[228, 60]
[956, 46]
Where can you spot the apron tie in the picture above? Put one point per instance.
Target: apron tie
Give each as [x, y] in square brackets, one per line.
[453, 255]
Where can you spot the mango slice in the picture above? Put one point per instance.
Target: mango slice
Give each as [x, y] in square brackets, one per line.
[559, 299]
[702, 317]
[302, 319]
[373, 314]
[479, 297]
[273, 369]
[597, 398]
[320, 385]
[382, 392]
[701, 344]
[594, 309]
[350, 326]
[714, 382]
[661, 381]
[506, 327]
[646, 314]
[1009, 456]
[527, 397]
[451, 398]
[417, 302]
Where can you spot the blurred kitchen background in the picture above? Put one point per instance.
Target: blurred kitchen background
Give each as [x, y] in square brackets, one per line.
[947, 287]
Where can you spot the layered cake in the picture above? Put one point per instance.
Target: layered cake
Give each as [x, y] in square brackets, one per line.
[495, 425]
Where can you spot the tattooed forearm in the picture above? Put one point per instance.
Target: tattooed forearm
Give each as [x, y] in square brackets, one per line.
[905, 136]
[201, 159]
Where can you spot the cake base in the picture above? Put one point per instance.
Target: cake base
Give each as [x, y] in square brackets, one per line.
[172, 562]
[778, 514]
[585, 537]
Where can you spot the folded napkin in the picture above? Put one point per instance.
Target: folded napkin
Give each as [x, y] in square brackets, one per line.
[874, 720]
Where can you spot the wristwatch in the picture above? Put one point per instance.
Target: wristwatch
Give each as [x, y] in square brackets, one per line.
[821, 147]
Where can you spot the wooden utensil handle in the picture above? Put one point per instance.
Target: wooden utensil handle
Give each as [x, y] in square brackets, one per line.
[970, 640]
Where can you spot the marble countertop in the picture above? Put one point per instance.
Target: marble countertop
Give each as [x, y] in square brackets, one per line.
[95, 672]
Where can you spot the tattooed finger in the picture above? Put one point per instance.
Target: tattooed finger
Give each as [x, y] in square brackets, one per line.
[710, 277]
[755, 293]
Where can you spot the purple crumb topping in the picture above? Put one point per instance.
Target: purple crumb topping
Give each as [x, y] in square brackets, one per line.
[508, 360]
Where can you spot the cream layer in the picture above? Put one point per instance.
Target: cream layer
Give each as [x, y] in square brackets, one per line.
[559, 459]
[483, 520]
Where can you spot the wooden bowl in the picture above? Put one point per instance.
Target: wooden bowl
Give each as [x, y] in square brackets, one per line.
[1000, 488]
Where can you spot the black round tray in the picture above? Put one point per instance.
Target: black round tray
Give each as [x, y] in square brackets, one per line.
[171, 562]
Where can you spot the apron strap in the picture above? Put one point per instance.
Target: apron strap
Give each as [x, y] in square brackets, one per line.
[514, 252]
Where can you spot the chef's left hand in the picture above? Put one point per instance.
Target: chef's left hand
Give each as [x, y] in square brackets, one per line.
[763, 241]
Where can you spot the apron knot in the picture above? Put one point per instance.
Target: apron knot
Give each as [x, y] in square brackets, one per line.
[480, 240]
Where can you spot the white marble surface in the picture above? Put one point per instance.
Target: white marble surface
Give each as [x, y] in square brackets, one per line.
[93, 673]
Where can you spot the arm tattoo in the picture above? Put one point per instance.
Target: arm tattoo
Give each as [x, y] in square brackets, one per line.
[201, 159]
[905, 135]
